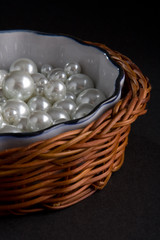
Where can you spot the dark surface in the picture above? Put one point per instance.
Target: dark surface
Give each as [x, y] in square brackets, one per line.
[128, 208]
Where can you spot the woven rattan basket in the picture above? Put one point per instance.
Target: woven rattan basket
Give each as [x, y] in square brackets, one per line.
[61, 171]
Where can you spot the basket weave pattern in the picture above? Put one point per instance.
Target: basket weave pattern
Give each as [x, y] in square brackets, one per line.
[63, 170]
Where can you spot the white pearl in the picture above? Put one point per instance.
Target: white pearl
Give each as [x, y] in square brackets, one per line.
[24, 64]
[38, 103]
[38, 91]
[57, 74]
[72, 68]
[23, 124]
[40, 81]
[82, 110]
[19, 85]
[78, 82]
[13, 110]
[55, 90]
[10, 129]
[3, 74]
[67, 104]
[70, 95]
[39, 120]
[53, 71]
[58, 115]
[92, 95]
[46, 69]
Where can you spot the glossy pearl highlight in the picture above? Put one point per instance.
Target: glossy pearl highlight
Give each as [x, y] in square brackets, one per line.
[58, 115]
[67, 104]
[39, 120]
[55, 90]
[79, 82]
[14, 110]
[46, 69]
[18, 85]
[92, 95]
[38, 103]
[82, 110]
[72, 68]
[24, 64]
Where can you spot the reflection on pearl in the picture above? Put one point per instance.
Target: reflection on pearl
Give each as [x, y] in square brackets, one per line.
[40, 81]
[92, 95]
[39, 78]
[24, 64]
[22, 125]
[78, 82]
[39, 120]
[57, 74]
[3, 74]
[58, 115]
[38, 103]
[66, 104]
[46, 69]
[13, 110]
[19, 85]
[54, 90]
[82, 110]
[70, 95]
[72, 68]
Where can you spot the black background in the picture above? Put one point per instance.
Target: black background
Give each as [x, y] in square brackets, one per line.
[128, 208]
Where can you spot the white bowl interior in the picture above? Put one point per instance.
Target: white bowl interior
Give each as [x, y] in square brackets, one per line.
[58, 50]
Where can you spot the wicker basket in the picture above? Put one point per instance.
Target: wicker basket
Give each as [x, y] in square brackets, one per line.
[61, 171]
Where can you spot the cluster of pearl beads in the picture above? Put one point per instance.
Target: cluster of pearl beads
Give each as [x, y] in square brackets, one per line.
[32, 100]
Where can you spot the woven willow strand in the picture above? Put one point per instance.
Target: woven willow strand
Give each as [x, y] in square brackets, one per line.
[68, 168]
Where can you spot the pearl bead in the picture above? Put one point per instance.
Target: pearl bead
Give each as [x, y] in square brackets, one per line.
[39, 120]
[72, 68]
[92, 95]
[58, 115]
[24, 64]
[66, 104]
[26, 95]
[39, 91]
[57, 74]
[82, 110]
[13, 110]
[55, 90]
[10, 129]
[78, 82]
[38, 103]
[19, 85]
[46, 69]
[23, 125]
[3, 74]
[40, 81]
[70, 95]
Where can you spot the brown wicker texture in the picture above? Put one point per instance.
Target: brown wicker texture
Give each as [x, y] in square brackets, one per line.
[59, 172]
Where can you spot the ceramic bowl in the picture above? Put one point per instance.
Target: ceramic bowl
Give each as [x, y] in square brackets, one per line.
[58, 50]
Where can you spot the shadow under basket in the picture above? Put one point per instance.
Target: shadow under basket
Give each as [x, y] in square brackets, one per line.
[61, 171]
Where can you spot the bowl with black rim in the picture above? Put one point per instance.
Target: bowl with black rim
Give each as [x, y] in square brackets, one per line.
[57, 50]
